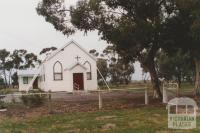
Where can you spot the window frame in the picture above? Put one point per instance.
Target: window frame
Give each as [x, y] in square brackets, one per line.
[54, 73]
[90, 71]
[25, 80]
[56, 79]
[90, 77]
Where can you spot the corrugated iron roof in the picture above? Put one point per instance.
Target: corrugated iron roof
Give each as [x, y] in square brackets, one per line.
[27, 72]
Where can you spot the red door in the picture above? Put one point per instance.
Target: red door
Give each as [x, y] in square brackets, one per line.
[78, 81]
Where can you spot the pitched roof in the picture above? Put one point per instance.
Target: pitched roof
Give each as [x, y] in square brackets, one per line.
[76, 64]
[66, 45]
[27, 72]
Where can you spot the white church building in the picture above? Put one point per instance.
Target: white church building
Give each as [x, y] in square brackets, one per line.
[68, 69]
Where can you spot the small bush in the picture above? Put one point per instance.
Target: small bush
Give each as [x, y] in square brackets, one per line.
[2, 105]
[34, 100]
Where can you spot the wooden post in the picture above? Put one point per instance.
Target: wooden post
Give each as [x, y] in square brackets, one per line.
[165, 100]
[50, 104]
[100, 101]
[186, 106]
[146, 96]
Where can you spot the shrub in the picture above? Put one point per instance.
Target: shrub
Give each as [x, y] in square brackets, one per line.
[2, 105]
[34, 100]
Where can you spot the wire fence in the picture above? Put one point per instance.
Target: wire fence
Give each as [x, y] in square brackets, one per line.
[97, 95]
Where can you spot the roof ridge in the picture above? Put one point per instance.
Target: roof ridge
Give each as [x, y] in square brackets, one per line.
[74, 65]
[67, 44]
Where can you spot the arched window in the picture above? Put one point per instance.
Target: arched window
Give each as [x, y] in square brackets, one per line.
[58, 71]
[89, 70]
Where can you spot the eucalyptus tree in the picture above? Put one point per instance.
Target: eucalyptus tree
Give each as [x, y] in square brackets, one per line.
[22, 59]
[94, 52]
[182, 31]
[177, 66]
[113, 66]
[102, 65]
[1, 82]
[48, 50]
[31, 60]
[120, 69]
[4, 57]
[133, 26]
[17, 57]
[9, 68]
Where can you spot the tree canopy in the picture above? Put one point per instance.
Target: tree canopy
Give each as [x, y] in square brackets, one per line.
[12, 61]
[137, 29]
[47, 50]
[177, 67]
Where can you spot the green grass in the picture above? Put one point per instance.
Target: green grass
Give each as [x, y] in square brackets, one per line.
[8, 91]
[187, 87]
[139, 120]
[149, 119]
[124, 86]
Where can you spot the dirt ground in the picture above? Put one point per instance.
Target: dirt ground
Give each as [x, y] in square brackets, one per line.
[69, 103]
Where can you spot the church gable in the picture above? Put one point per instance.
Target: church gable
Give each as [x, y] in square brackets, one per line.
[76, 65]
[74, 49]
[67, 69]
[70, 58]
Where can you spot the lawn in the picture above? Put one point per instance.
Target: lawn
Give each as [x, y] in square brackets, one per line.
[8, 91]
[149, 119]
[122, 113]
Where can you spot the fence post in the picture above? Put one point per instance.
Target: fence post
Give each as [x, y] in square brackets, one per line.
[146, 96]
[100, 101]
[49, 100]
[164, 95]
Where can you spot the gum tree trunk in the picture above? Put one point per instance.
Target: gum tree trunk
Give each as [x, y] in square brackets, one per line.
[154, 80]
[149, 64]
[5, 79]
[179, 80]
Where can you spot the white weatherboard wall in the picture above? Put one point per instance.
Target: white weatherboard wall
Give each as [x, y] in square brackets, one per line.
[22, 85]
[68, 57]
[26, 73]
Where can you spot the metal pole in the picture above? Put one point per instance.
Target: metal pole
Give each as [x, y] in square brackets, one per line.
[103, 79]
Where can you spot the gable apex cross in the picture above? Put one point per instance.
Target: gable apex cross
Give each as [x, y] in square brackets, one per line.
[77, 58]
